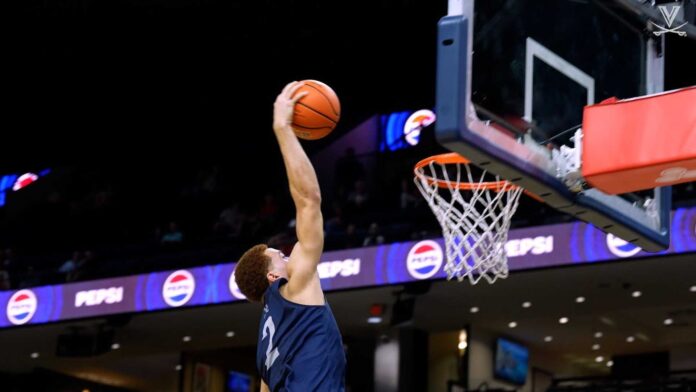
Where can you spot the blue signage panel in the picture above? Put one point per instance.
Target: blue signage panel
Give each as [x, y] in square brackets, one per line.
[527, 248]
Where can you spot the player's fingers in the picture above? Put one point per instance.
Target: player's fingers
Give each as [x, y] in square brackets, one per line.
[299, 96]
[287, 88]
[293, 89]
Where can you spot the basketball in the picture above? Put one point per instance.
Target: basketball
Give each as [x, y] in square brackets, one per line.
[317, 113]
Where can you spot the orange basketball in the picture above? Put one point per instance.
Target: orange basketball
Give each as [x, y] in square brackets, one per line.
[317, 113]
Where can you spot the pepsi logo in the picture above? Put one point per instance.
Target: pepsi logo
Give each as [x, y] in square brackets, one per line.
[178, 288]
[415, 123]
[112, 295]
[24, 181]
[424, 259]
[234, 289]
[522, 246]
[621, 248]
[21, 307]
[345, 268]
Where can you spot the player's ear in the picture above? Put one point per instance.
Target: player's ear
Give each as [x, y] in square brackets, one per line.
[272, 276]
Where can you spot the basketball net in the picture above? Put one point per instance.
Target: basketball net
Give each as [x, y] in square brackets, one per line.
[474, 215]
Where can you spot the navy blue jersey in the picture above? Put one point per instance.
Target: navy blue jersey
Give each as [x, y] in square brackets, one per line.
[300, 347]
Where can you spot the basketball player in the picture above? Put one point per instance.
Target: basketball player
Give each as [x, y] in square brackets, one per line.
[300, 347]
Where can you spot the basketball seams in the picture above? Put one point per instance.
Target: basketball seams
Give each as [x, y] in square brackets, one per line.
[325, 96]
[317, 112]
[312, 128]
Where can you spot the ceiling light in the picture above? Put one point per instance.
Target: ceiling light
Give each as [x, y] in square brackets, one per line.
[474, 309]
[610, 363]
[526, 304]
[512, 324]
[34, 355]
[630, 339]
[693, 289]
[595, 347]
[636, 294]
[186, 339]
[177, 368]
[230, 334]
[580, 300]
[115, 346]
[668, 321]
[548, 339]
[598, 335]
[599, 359]
[461, 345]
[563, 320]
[374, 320]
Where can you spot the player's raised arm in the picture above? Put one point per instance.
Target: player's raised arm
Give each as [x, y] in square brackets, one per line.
[304, 189]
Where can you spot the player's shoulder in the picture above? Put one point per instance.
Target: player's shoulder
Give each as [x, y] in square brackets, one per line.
[303, 292]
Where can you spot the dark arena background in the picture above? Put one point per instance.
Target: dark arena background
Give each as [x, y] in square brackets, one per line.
[138, 152]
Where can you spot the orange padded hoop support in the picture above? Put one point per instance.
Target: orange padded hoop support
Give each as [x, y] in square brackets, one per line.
[640, 143]
[453, 158]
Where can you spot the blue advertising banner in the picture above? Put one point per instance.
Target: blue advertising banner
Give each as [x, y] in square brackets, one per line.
[527, 248]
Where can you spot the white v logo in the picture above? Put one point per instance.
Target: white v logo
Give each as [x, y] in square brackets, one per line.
[669, 15]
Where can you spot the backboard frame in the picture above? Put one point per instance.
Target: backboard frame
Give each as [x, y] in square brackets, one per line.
[525, 163]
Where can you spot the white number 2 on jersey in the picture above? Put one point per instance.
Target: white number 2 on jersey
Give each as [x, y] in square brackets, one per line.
[271, 353]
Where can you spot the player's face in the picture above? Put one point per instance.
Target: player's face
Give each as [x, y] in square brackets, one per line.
[278, 262]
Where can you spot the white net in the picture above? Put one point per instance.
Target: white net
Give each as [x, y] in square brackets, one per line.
[474, 215]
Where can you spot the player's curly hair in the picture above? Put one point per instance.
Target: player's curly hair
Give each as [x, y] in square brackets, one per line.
[250, 273]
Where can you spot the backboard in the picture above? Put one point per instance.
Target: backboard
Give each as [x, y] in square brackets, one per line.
[513, 77]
